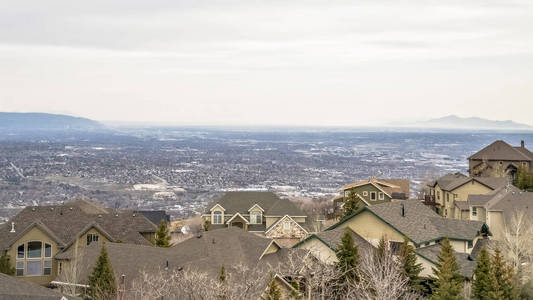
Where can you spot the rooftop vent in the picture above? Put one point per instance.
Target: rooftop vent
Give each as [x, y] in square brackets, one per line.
[213, 241]
[12, 227]
[33, 209]
[522, 144]
[166, 266]
[99, 216]
[70, 208]
[199, 235]
[51, 208]
[403, 210]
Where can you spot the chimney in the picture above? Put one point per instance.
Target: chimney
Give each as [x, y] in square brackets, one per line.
[403, 210]
[12, 227]
[522, 144]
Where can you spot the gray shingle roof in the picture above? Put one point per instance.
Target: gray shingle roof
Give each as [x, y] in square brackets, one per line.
[419, 223]
[65, 222]
[241, 202]
[450, 182]
[500, 150]
[466, 265]
[12, 288]
[333, 238]
[207, 253]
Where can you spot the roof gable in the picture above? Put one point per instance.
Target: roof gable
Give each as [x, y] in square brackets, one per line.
[500, 150]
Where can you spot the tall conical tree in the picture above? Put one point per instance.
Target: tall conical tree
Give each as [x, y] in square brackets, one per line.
[273, 292]
[501, 279]
[206, 225]
[448, 283]
[481, 287]
[352, 203]
[410, 268]
[348, 256]
[162, 236]
[222, 276]
[102, 280]
[382, 249]
[5, 265]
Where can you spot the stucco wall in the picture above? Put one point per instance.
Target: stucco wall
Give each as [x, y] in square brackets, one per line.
[320, 251]
[371, 228]
[496, 224]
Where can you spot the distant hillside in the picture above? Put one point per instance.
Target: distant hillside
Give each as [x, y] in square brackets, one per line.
[43, 121]
[455, 122]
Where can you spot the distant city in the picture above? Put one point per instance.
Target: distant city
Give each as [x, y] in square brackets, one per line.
[180, 169]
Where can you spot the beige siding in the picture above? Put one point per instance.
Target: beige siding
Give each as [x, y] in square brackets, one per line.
[426, 266]
[320, 251]
[496, 224]
[270, 221]
[35, 234]
[371, 228]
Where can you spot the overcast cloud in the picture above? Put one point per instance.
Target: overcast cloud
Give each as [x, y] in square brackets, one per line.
[269, 62]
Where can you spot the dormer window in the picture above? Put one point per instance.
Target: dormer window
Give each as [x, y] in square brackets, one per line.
[255, 217]
[217, 217]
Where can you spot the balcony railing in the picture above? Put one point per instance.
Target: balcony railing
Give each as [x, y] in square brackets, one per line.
[429, 200]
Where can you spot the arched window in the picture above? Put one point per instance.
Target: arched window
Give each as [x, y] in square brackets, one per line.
[217, 217]
[34, 258]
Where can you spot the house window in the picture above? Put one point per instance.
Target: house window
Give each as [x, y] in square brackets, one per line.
[470, 244]
[438, 195]
[381, 196]
[217, 217]
[91, 237]
[20, 268]
[365, 193]
[454, 196]
[474, 211]
[255, 217]
[446, 212]
[448, 197]
[287, 225]
[35, 261]
[372, 195]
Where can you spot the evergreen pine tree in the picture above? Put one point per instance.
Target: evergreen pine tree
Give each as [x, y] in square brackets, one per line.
[410, 268]
[348, 256]
[522, 180]
[352, 204]
[481, 287]
[206, 225]
[273, 292]
[382, 249]
[102, 279]
[5, 265]
[448, 283]
[222, 276]
[162, 238]
[501, 279]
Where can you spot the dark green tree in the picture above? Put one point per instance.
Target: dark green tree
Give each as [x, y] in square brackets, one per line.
[448, 283]
[222, 276]
[162, 236]
[348, 256]
[102, 279]
[206, 225]
[273, 292]
[410, 268]
[502, 283]
[352, 203]
[382, 249]
[482, 286]
[5, 265]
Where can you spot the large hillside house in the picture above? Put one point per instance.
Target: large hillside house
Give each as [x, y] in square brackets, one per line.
[36, 235]
[450, 189]
[498, 208]
[208, 252]
[261, 213]
[423, 228]
[500, 159]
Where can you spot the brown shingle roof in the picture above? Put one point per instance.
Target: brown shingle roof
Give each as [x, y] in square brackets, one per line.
[500, 150]
[241, 202]
[450, 182]
[65, 222]
[389, 186]
[466, 264]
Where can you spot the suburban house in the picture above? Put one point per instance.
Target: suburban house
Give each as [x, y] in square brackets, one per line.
[412, 219]
[262, 213]
[16, 288]
[207, 252]
[323, 245]
[35, 236]
[372, 191]
[500, 159]
[498, 208]
[450, 189]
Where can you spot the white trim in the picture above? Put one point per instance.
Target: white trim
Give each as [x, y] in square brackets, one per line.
[257, 206]
[268, 247]
[212, 208]
[237, 214]
[363, 199]
[278, 221]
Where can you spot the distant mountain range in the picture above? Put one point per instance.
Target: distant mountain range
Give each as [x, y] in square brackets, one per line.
[455, 122]
[45, 122]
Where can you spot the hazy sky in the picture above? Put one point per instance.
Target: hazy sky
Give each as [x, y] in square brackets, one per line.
[287, 62]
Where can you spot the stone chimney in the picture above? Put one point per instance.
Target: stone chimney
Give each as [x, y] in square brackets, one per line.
[522, 144]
